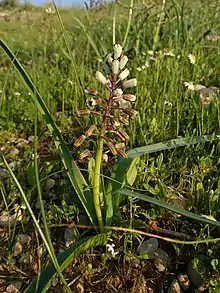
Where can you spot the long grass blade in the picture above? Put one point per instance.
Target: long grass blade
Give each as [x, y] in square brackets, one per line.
[78, 181]
[65, 259]
[169, 207]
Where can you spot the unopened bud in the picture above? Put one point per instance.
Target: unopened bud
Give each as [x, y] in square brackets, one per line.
[83, 112]
[112, 148]
[117, 51]
[117, 93]
[100, 77]
[130, 112]
[123, 62]
[115, 67]
[130, 98]
[79, 141]
[85, 154]
[130, 83]
[90, 131]
[124, 74]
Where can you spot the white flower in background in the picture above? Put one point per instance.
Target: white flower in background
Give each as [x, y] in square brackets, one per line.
[189, 85]
[169, 53]
[70, 82]
[49, 10]
[146, 64]
[152, 58]
[17, 94]
[168, 103]
[143, 53]
[150, 52]
[110, 249]
[192, 58]
[209, 217]
[139, 69]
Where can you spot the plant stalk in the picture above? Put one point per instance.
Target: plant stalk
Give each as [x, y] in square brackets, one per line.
[96, 182]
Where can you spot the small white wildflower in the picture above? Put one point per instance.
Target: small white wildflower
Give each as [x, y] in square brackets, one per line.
[100, 77]
[152, 58]
[168, 103]
[17, 94]
[0, 92]
[29, 93]
[192, 58]
[117, 51]
[70, 82]
[49, 10]
[130, 83]
[150, 52]
[143, 53]
[169, 53]
[146, 64]
[123, 62]
[138, 68]
[110, 248]
[209, 217]
[124, 74]
[189, 85]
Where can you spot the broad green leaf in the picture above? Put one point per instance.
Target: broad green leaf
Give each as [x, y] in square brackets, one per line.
[132, 172]
[78, 181]
[64, 259]
[170, 207]
[124, 165]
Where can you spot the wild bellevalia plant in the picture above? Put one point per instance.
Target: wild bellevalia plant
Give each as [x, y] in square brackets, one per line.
[113, 112]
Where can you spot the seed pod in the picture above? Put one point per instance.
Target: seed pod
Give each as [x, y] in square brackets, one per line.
[120, 146]
[124, 74]
[130, 112]
[80, 140]
[115, 67]
[122, 153]
[117, 51]
[130, 98]
[100, 77]
[90, 131]
[123, 120]
[91, 92]
[83, 112]
[112, 148]
[123, 62]
[92, 102]
[85, 154]
[130, 83]
[124, 134]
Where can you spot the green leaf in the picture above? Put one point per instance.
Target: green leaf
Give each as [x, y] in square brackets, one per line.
[124, 166]
[64, 259]
[170, 207]
[78, 181]
[132, 172]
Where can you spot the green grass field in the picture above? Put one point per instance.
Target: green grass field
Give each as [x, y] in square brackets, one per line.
[54, 198]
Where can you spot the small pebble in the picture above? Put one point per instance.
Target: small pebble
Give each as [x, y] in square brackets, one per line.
[161, 260]
[14, 287]
[148, 247]
[174, 287]
[14, 152]
[17, 249]
[184, 281]
[23, 238]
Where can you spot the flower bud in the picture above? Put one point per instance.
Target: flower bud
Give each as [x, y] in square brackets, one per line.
[83, 112]
[130, 112]
[85, 154]
[100, 77]
[130, 83]
[123, 62]
[117, 93]
[115, 67]
[124, 74]
[117, 51]
[90, 131]
[130, 98]
[79, 141]
[112, 148]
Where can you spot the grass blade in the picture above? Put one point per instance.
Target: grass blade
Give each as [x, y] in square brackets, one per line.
[64, 259]
[169, 207]
[78, 181]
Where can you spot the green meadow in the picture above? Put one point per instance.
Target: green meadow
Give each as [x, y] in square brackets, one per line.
[103, 191]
